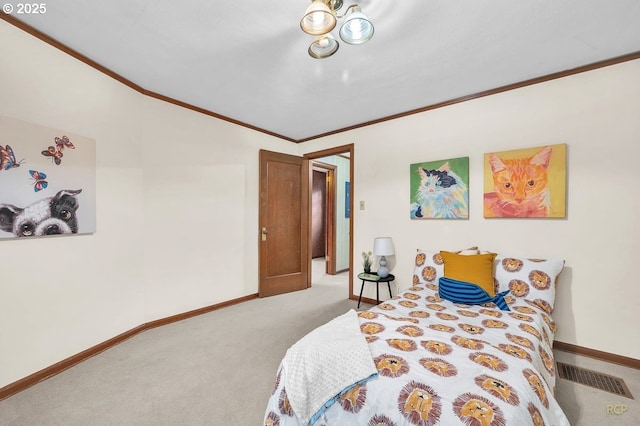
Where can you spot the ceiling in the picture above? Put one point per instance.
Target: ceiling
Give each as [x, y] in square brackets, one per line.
[247, 61]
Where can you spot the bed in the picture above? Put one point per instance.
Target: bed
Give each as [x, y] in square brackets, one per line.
[424, 358]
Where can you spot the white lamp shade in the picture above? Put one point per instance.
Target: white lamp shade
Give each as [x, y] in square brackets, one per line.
[383, 246]
[323, 46]
[357, 29]
[318, 19]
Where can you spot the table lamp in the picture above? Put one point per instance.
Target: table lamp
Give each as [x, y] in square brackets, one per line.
[383, 246]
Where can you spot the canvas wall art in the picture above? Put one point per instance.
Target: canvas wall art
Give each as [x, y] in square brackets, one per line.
[440, 189]
[47, 181]
[526, 182]
[347, 199]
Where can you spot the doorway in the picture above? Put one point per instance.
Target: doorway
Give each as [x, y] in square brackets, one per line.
[284, 227]
[335, 165]
[323, 215]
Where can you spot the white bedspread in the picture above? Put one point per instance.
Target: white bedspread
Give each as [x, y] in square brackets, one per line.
[438, 363]
[324, 363]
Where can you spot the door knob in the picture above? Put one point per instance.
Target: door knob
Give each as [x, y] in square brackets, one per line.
[264, 234]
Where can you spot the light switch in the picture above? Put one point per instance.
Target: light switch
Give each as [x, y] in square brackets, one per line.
[361, 205]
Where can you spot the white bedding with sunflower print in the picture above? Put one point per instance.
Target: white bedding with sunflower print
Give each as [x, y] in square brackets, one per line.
[444, 363]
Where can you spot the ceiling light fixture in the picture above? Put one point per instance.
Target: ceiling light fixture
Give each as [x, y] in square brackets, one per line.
[320, 18]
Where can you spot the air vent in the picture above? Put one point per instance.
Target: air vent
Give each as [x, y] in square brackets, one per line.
[594, 379]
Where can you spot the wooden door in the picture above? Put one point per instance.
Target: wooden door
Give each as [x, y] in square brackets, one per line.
[328, 211]
[319, 214]
[283, 223]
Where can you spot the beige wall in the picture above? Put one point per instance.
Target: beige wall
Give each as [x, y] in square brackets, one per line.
[177, 212]
[597, 114]
[177, 203]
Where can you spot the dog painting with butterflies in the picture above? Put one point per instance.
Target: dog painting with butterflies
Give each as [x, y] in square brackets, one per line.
[47, 181]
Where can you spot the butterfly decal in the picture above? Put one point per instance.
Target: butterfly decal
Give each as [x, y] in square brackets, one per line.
[40, 182]
[63, 142]
[8, 158]
[55, 152]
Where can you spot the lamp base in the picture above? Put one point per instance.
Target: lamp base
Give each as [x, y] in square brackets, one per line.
[383, 271]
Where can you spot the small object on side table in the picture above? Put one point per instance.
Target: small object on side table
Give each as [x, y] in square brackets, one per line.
[375, 278]
[383, 246]
[366, 262]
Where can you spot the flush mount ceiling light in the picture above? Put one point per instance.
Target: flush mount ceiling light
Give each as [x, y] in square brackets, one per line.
[320, 18]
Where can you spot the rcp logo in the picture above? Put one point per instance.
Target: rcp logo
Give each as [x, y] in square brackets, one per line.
[617, 409]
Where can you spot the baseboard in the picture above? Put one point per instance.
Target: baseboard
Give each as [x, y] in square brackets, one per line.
[59, 367]
[594, 353]
[200, 311]
[365, 300]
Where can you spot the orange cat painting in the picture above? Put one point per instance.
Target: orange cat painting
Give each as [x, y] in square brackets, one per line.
[526, 183]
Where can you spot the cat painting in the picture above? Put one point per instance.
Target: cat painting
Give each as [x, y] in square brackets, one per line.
[521, 185]
[441, 193]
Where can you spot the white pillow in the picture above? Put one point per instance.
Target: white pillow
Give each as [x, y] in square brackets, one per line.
[531, 279]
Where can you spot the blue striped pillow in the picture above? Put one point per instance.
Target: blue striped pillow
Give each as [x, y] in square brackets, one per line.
[469, 293]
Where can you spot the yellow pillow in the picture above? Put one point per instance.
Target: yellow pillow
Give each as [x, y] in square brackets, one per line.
[476, 269]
